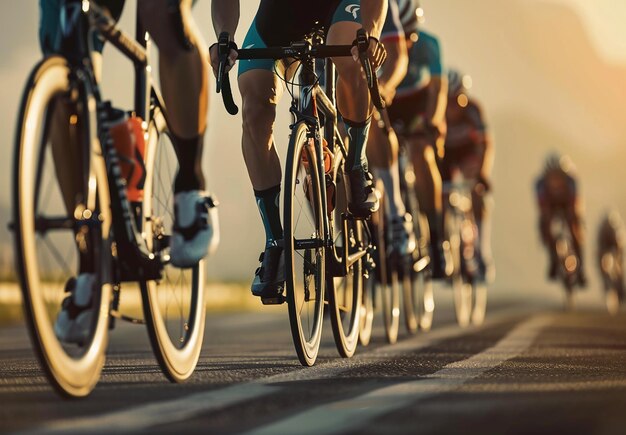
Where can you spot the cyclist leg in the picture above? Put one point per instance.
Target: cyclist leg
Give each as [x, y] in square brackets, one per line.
[261, 90]
[353, 101]
[428, 184]
[382, 153]
[65, 151]
[184, 73]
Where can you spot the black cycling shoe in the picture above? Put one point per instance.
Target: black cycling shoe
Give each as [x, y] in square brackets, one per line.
[440, 267]
[363, 198]
[552, 270]
[269, 278]
[582, 278]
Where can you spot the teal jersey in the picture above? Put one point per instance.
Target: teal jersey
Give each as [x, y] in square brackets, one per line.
[424, 63]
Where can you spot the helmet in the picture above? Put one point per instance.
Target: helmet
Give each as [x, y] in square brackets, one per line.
[556, 161]
[553, 162]
[458, 83]
[411, 15]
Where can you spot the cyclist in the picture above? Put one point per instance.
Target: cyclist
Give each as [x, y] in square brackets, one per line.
[184, 78]
[278, 23]
[611, 242]
[383, 145]
[557, 191]
[418, 112]
[470, 149]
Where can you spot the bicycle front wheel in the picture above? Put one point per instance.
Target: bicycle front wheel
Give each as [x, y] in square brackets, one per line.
[61, 221]
[304, 246]
[174, 306]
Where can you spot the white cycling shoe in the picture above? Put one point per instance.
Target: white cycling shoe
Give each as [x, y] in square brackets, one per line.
[196, 228]
[73, 324]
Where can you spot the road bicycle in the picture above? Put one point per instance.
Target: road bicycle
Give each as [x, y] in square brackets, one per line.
[568, 263]
[610, 254]
[468, 278]
[399, 280]
[118, 241]
[327, 249]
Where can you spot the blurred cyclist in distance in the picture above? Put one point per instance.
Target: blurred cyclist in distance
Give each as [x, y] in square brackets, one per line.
[469, 148]
[557, 191]
[610, 253]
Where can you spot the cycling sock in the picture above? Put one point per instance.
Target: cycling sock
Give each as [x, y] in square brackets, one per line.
[357, 132]
[189, 154]
[268, 203]
[390, 178]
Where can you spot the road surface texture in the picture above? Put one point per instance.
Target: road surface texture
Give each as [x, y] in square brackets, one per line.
[528, 369]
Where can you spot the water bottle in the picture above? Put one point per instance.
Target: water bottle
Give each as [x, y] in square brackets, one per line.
[129, 141]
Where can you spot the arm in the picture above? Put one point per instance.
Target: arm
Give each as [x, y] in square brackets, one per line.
[373, 13]
[225, 14]
[395, 67]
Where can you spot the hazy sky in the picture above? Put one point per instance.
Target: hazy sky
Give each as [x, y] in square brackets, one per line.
[605, 19]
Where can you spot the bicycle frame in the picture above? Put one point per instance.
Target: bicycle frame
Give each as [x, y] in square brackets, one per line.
[82, 19]
[313, 100]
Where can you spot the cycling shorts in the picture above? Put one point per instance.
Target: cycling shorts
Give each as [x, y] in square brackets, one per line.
[50, 24]
[406, 112]
[456, 157]
[278, 23]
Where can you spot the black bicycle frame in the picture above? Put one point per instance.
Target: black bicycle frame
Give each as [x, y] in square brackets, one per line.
[82, 20]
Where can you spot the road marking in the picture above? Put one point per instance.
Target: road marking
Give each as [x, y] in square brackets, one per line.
[171, 411]
[349, 414]
[142, 417]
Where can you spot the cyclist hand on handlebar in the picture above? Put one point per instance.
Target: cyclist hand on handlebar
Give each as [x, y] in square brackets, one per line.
[376, 53]
[215, 59]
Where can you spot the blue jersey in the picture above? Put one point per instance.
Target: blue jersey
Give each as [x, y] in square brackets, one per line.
[392, 28]
[424, 63]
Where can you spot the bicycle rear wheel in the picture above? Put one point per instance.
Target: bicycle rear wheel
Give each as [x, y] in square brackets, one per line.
[55, 240]
[346, 291]
[304, 246]
[390, 293]
[462, 290]
[174, 307]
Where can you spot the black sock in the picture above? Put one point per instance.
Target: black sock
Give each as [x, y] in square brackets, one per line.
[268, 202]
[189, 153]
[357, 132]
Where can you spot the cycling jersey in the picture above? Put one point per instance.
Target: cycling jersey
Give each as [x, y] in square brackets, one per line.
[424, 63]
[281, 22]
[392, 28]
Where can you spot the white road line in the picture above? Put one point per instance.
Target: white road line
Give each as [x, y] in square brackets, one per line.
[142, 417]
[171, 411]
[349, 414]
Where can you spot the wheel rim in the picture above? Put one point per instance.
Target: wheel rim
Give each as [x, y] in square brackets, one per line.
[174, 305]
[305, 269]
[46, 250]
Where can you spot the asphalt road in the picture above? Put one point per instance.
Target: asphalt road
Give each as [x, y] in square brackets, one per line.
[528, 369]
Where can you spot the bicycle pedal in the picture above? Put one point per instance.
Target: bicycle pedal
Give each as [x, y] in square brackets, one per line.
[275, 300]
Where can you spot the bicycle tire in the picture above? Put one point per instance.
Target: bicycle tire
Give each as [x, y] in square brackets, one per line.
[346, 292]
[390, 293]
[302, 197]
[73, 370]
[418, 295]
[462, 290]
[174, 307]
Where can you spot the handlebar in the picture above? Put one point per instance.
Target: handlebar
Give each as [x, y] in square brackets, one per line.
[295, 50]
